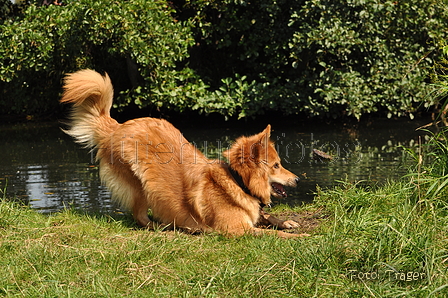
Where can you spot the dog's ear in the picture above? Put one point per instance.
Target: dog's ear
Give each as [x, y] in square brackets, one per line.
[259, 149]
[265, 134]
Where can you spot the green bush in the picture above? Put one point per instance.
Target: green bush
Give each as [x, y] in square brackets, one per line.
[242, 58]
[321, 56]
[440, 95]
[137, 42]
[431, 170]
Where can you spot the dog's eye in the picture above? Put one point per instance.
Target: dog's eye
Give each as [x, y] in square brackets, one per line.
[276, 165]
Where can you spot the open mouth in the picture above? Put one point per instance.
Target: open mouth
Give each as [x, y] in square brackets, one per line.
[279, 190]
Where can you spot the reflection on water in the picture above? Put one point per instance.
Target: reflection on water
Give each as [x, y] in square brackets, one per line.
[43, 166]
[40, 165]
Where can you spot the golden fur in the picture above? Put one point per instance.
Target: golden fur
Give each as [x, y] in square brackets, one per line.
[148, 164]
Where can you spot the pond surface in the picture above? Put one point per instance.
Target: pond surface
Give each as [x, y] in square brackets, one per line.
[45, 168]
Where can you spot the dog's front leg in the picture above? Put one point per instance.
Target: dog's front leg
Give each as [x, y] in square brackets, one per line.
[268, 219]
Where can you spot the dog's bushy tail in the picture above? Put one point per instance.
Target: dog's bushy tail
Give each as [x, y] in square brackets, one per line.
[91, 95]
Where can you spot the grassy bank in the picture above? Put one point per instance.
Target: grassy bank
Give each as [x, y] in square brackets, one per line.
[384, 242]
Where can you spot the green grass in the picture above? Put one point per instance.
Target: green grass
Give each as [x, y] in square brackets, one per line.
[366, 231]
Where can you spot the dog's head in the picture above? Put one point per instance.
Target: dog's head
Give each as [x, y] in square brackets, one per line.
[258, 163]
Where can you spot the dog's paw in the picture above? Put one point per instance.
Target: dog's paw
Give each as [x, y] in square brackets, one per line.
[288, 224]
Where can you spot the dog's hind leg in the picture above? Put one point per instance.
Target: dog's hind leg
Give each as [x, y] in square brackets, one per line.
[140, 210]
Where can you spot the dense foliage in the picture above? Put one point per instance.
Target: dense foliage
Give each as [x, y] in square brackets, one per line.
[232, 57]
[440, 79]
[137, 42]
[324, 56]
[431, 170]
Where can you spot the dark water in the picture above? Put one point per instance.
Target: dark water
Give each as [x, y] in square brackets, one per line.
[43, 166]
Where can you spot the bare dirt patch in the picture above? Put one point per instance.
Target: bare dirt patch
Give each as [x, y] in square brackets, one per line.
[308, 220]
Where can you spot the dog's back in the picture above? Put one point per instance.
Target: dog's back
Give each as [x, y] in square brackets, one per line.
[160, 164]
[146, 162]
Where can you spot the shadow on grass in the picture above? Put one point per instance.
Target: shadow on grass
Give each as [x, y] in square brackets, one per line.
[123, 218]
[308, 220]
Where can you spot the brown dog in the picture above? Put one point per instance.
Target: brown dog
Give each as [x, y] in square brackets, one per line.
[148, 164]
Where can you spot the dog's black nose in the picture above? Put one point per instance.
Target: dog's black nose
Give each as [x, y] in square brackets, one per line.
[297, 179]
